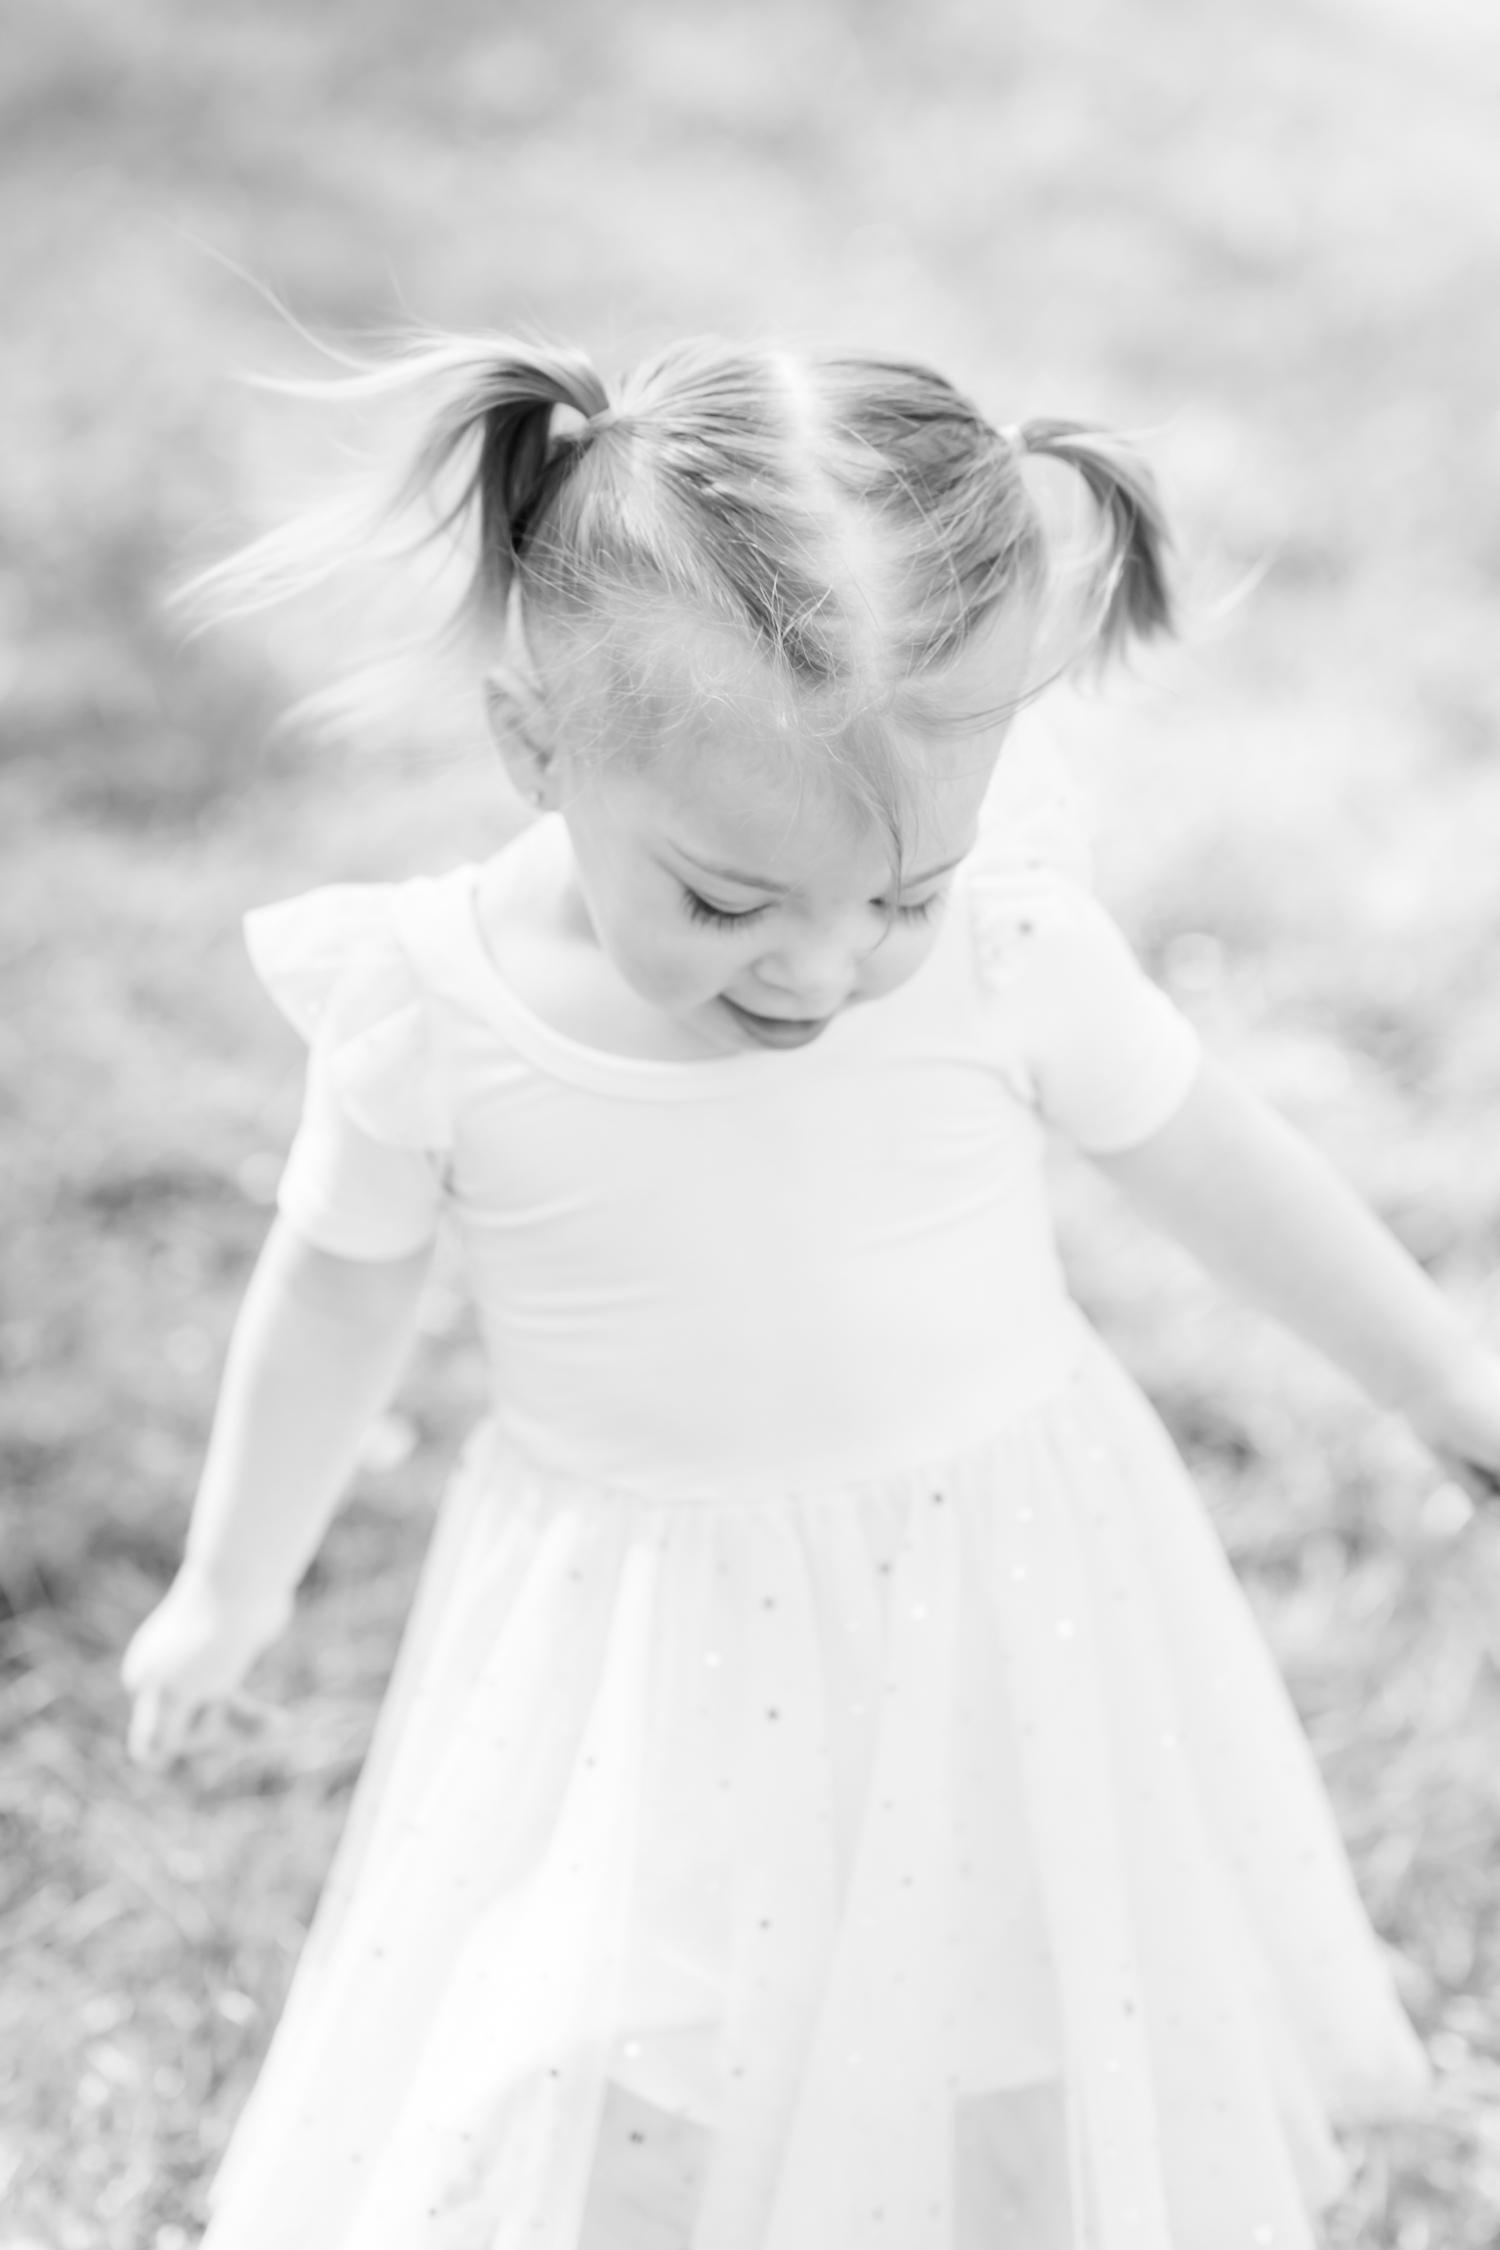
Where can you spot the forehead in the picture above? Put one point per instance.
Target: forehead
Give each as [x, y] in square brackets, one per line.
[779, 805]
[702, 734]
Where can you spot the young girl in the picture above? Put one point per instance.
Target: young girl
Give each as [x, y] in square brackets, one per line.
[831, 1795]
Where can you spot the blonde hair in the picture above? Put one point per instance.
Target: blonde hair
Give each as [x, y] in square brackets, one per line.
[856, 519]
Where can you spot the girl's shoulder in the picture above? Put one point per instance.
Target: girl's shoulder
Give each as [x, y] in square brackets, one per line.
[1086, 1037]
[364, 942]
[356, 969]
[1030, 873]
[308, 948]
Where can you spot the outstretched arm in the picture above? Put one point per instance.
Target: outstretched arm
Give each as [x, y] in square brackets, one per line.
[316, 1350]
[1245, 1192]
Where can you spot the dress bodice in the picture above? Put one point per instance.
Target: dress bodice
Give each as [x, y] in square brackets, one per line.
[783, 1270]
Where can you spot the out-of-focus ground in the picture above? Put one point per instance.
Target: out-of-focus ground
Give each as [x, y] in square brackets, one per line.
[1271, 237]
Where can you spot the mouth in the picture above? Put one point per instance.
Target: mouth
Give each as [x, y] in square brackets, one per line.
[776, 1031]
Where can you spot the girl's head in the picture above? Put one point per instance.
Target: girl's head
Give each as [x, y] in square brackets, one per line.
[853, 524]
[771, 613]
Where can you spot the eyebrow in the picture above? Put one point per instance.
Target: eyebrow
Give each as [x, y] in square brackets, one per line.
[764, 882]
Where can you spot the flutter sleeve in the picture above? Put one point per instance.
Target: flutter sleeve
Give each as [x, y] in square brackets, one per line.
[365, 1175]
[1083, 1035]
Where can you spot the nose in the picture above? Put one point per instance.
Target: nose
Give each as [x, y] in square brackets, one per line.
[814, 968]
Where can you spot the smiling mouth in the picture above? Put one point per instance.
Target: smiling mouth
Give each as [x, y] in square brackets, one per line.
[776, 1031]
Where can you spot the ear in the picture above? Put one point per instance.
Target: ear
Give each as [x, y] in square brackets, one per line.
[521, 732]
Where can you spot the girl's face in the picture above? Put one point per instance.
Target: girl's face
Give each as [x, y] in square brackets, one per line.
[754, 913]
[738, 892]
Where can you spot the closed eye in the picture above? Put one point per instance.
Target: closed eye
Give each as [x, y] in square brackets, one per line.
[699, 910]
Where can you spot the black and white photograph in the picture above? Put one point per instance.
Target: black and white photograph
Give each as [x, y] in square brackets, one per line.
[750, 1096]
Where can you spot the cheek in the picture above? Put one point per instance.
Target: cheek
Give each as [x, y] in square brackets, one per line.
[669, 961]
[642, 930]
[900, 956]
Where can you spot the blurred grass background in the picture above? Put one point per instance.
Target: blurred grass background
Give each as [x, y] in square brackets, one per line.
[1270, 237]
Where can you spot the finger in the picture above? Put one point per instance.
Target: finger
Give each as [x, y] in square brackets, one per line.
[132, 1662]
[159, 1726]
[145, 1726]
[1479, 1482]
[1447, 1509]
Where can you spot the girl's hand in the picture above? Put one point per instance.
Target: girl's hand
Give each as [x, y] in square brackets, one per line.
[1459, 1421]
[186, 1662]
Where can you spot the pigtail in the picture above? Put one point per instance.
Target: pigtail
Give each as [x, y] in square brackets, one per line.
[503, 395]
[1135, 595]
[485, 455]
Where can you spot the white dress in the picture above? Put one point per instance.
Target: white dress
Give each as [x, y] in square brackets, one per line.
[832, 1794]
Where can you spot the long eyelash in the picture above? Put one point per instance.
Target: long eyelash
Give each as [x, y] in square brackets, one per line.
[698, 910]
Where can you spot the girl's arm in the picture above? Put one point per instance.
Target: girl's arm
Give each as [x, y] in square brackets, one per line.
[315, 1353]
[1241, 1189]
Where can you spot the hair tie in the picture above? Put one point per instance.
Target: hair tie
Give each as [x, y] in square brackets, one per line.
[1014, 434]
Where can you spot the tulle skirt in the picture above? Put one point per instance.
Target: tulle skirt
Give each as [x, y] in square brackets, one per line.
[932, 1865]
